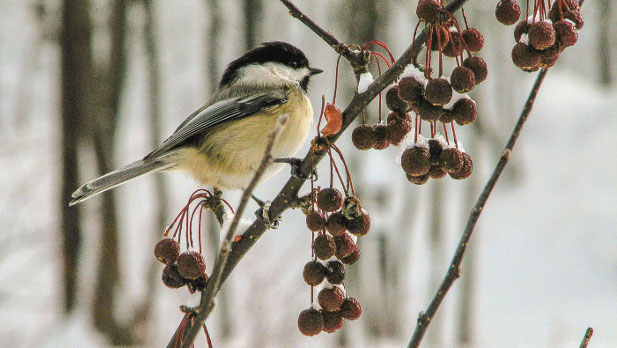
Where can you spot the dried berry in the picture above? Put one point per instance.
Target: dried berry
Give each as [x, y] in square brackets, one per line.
[571, 11]
[324, 246]
[394, 102]
[331, 299]
[478, 66]
[329, 199]
[396, 116]
[455, 44]
[435, 146]
[344, 245]
[359, 226]
[428, 10]
[351, 309]
[464, 111]
[167, 250]
[352, 207]
[438, 91]
[332, 321]
[336, 224]
[507, 11]
[429, 112]
[541, 35]
[397, 129]
[362, 137]
[436, 172]
[521, 28]
[418, 180]
[416, 161]
[172, 278]
[446, 116]
[315, 221]
[379, 134]
[549, 57]
[314, 273]
[463, 79]
[565, 33]
[440, 38]
[198, 284]
[351, 258]
[524, 57]
[335, 272]
[474, 39]
[310, 322]
[465, 170]
[451, 160]
[410, 89]
[191, 264]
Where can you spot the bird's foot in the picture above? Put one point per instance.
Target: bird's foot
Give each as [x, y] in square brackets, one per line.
[264, 213]
[295, 164]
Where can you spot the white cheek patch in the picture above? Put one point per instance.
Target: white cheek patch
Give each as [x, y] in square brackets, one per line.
[271, 74]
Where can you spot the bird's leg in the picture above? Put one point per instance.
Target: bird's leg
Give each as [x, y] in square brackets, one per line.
[295, 163]
[264, 213]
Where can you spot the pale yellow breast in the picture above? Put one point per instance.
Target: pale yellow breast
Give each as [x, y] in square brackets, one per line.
[231, 153]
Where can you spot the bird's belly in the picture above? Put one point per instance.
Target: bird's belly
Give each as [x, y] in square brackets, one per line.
[231, 154]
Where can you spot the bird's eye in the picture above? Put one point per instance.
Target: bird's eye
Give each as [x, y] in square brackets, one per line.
[294, 64]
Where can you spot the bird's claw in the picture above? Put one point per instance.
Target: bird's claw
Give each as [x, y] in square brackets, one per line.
[295, 164]
[263, 213]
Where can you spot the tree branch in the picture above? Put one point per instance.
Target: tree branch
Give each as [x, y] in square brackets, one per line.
[587, 338]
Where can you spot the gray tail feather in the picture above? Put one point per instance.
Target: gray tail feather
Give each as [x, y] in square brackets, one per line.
[117, 177]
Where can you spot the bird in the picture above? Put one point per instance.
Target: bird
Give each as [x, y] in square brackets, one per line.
[222, 143]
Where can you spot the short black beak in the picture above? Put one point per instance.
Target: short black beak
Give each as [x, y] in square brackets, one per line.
[314, 71]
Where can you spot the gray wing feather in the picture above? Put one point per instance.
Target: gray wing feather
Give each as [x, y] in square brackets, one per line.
[216, 114]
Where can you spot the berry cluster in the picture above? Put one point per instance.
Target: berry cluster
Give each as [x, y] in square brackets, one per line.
[434, 158]
[543, 35]
[333, 248]
[432, 99]
[189, 267]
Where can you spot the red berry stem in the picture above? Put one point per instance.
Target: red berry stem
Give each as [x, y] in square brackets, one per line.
[454, 134]
[380, 43]
[415, 31]
[464, 17]
[207, 336]
[338, 61]
[415, 138]
[347, 171]
[199, 227]
[440, 48]
[338, 173]
[376, 56]
[445, 130]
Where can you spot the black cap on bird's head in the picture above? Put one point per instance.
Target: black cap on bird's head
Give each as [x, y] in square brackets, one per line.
[277, 52]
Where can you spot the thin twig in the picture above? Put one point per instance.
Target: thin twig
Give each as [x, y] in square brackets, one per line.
[587, 338]
[454, 270]
[215, 281]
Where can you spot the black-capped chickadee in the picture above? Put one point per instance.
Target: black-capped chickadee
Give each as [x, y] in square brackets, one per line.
[222, 143]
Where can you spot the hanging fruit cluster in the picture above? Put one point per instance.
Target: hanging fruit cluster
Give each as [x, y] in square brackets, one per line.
[187, 267]
[335, 220]
[433, 99]
[543, 35]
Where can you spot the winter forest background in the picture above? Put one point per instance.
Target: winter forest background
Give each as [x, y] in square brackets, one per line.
[541, 268]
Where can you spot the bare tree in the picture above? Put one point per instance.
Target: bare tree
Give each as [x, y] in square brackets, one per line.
[605, 26]
[253, 14]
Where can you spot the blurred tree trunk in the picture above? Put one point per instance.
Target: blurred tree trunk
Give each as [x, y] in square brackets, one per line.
[160, 194]
[110, 80]
[605, 26]
[76, 70]
[253, 15]
[215, 20]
